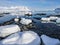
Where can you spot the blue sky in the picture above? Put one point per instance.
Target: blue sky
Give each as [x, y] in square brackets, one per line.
[33, 4]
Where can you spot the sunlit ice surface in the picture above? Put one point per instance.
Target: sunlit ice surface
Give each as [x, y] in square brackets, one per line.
[23, 38]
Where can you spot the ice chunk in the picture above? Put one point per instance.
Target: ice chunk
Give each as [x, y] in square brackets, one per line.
[16, 19]
[25, 21]
[8, 29]
[53, 18]
[58, 20]
[29, 38]
[11, 39]
[49, 41]
[23, 38]
[45, 19]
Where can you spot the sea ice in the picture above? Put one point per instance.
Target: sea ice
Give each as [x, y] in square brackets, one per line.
[23, 38]
[25, 21]
[49, 41]
[8, 29]
[58, 20]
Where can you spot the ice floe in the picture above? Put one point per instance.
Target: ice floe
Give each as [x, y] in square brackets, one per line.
[8, 29]
[58, 20]
[23, 38]
[16, 20]
[49, 41]
[11, 39]
[53, 18]
[45, 19]
[25, 21]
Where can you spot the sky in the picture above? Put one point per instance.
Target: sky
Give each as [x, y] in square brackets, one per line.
[33, 4]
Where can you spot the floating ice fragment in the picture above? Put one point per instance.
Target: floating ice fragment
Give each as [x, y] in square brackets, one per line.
[8, 29]
[49, 41]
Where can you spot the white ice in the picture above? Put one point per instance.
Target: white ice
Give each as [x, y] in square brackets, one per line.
[25, 21]
[58, 20]
[53, 18]
[49, 41]
[8, 29]
[45, 19]
[11, 39]
[23, 38]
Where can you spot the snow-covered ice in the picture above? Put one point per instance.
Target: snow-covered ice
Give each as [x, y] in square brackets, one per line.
[49, 41]
[29, 38]
[53, 18]
[8, 29]
[11, 39]
[45, 19]
[25, 21]
[23, 38]
[58, 20]
[16, 19]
